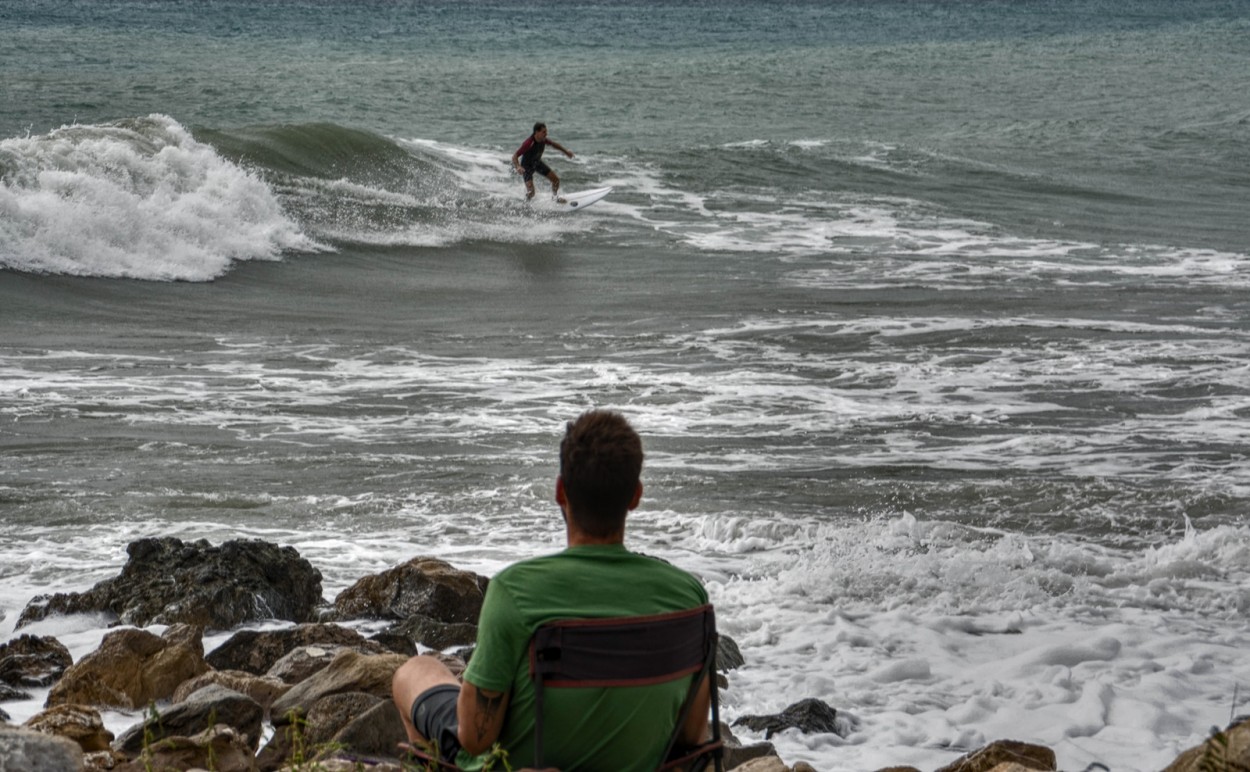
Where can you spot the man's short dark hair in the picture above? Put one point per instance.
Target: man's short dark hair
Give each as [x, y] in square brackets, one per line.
[600, 464]
[539, 127]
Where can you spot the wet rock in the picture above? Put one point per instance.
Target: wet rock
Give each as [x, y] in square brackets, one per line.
[80, 723]
[263, 689]
[168, 581]
[434, 634]
[30, 751]
[728, 655]
[256, 652]
[9, 694]
[219, 748]
[302, 662]
[130, 669]
[1035, 757]
[423, 586]
[210, 706]
[33, 661]
[350, 671]
[808, 716]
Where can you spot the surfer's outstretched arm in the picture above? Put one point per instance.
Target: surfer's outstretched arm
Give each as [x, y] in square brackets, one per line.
[560, 147]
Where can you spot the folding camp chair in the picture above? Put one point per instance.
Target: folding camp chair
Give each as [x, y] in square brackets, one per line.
[632, 651]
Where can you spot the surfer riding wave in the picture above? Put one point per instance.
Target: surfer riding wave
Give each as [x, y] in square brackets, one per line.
[528, 160]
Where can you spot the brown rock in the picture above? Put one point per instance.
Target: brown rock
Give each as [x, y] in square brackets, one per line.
[376, 732]
[1035, 757]
[1227, 750]
[263, 689]
[255, 652]
[350, 671]
[33, 661]
[302, 662]
[764, 764]
[219, 748]
[331, 713]
[130, 669]
[213, 705]
[423, 586]
[80, 723]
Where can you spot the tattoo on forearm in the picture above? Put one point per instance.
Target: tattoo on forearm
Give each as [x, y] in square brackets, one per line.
[487, 706]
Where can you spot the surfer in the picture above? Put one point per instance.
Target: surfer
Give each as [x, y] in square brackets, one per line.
[528, 159]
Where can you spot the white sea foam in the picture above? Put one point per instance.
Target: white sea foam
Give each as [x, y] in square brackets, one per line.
[138, 199]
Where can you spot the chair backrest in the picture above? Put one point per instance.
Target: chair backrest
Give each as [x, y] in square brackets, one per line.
[630, 651]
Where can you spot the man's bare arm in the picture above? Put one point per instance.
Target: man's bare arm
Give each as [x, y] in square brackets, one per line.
[696, 728]
[481, 713]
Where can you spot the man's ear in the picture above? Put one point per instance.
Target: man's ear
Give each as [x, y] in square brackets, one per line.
[561, 498]
[633, 503]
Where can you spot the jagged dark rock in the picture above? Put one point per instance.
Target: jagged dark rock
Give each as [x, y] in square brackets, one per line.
[168, 581]
[33, 661]
[432, 633]
[808, 716]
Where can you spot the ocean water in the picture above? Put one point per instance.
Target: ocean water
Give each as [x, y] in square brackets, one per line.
[933, 316]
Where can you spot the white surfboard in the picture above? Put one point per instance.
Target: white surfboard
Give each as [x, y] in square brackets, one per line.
[571, 202]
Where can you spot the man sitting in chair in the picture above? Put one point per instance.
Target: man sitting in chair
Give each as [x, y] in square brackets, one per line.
[595, 577]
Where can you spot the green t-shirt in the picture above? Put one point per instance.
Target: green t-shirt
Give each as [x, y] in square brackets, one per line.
[618, 729]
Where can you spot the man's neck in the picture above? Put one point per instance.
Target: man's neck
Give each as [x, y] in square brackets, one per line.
[585, 540]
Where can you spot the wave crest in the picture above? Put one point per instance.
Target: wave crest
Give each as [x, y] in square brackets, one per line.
[139, 199]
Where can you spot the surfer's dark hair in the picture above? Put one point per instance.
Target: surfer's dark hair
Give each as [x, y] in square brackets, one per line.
[600, 465]
[539, 127]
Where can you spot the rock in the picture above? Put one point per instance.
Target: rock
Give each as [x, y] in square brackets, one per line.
[434, 634]
[4, 716]
[167, 581]
[25, 750]
[256, 652]
[728, 655]
[213, 705]
[104, 761]
[808, 716]
[300, 663]
[331, 713]
[1226, 750]
[33, 661]
[376, 732]
[80, 723]
[9, 694]
[219, 748]
[736, 754]
[763, 764]
[263, 689]
[350, 671]
[130, 669]
[423, 586]
[1036, 757]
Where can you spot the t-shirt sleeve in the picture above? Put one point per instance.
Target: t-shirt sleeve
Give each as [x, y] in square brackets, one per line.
[501, 642]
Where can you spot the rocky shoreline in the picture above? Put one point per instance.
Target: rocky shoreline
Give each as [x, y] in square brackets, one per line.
[315, 695]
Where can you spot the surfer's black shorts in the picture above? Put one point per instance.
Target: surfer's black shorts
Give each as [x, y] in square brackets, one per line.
[434, 716]
[539, 167]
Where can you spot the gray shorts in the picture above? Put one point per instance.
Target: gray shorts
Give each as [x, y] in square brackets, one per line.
[434, 716]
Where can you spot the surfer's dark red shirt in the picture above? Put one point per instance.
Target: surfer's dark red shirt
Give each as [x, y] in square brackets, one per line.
[531, 150]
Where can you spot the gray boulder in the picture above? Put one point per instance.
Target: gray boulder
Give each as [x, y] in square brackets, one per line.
[202, 710]
[423, 586]
[25, 750]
